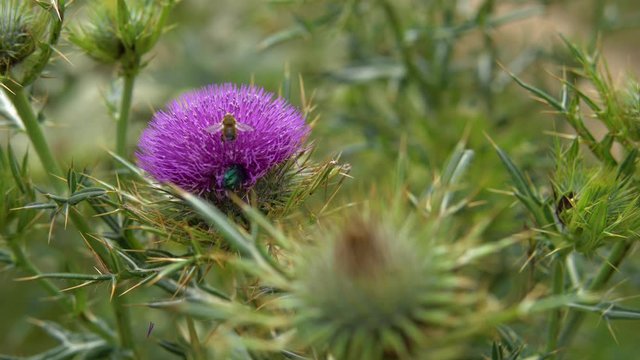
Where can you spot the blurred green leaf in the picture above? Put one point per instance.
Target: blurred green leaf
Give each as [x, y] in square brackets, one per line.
[609, 311]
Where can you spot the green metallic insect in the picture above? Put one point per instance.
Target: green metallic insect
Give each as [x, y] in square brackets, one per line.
[233, 177]
[229, 127]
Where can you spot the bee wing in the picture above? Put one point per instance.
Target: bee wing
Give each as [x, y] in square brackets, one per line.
[215, 128]
[243, 127]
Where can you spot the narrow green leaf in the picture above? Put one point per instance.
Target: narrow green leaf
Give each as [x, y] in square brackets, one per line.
[122, 19]
[263, 222]
[15, 170]
[283, 36]
[72, 180]
[131, 167]
[85, 194]
[216, 218]
[628, 165]
[539, 93]
[173, 348]
[496, 351]
[609, 311]
[69, 276]
[37, 206]
[517, 177]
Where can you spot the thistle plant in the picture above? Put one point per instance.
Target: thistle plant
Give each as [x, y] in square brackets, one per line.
[121, 35]
[369, 220]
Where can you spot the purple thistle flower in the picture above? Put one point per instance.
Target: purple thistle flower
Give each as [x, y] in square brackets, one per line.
[180, 144]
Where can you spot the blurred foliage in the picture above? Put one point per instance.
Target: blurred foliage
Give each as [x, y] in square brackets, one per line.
[395, 85]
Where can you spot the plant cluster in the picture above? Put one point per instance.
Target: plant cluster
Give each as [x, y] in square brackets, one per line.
[224, 237]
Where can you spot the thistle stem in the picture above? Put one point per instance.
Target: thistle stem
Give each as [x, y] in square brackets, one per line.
[18, 97]
[20, 101]
[123, 320]
[555, 315]
[123, 117]
[575, 319]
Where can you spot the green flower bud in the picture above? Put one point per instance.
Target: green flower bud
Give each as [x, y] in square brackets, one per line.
[120, 34]
[594, 206]
[21, 27]
[631, 110]
[373, 291]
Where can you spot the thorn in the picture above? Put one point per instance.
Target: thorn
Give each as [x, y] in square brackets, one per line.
[66, 215]
[56, 7]
[93, 252]
[89, 282]
[27, 278]
[63, 56]
[113, 289]
[51, 225]
[7, 88]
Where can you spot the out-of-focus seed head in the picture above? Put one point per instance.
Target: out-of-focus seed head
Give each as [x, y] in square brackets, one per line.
[373, 291]
[21, 27]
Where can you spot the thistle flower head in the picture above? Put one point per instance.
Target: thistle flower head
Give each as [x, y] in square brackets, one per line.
[20, 29]
[374, 292]
[189, 144]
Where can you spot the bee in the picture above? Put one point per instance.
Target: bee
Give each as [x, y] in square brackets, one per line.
[229, 128]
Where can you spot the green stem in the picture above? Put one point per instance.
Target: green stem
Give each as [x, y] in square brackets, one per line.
[575, 319]
[18, 97]
[15, 93]
[198, 353]
[555, 315]
[123, 320]
[123, 117]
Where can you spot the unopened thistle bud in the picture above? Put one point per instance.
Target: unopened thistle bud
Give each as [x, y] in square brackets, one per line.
[373, 292]
[122, 34]
[21, 27]
[594, 206]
